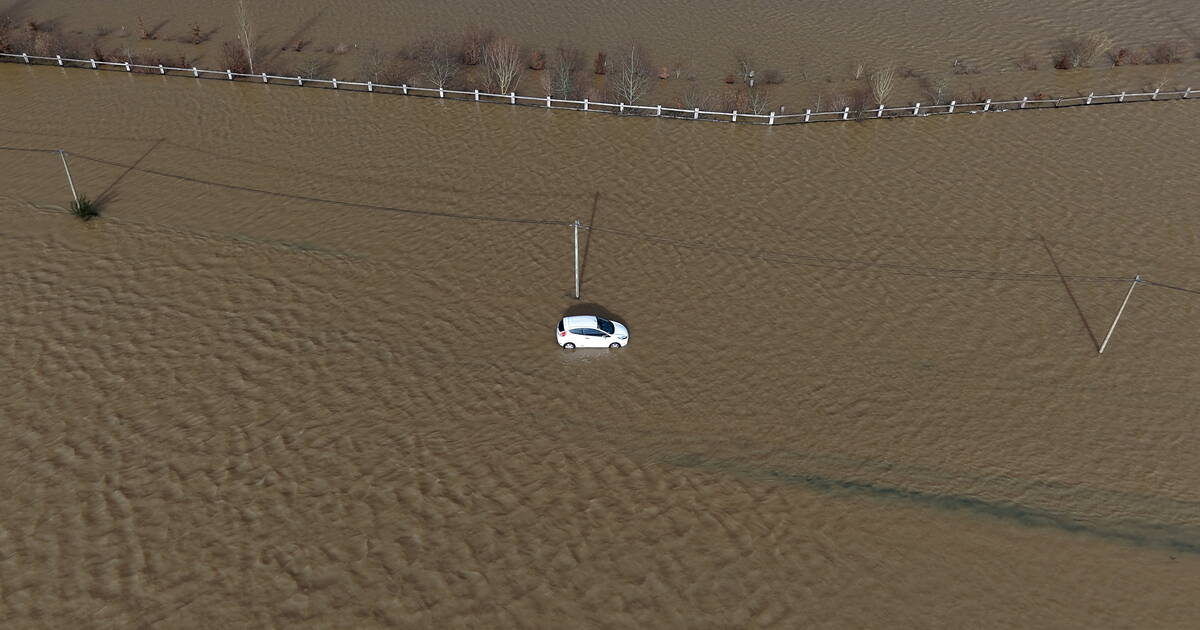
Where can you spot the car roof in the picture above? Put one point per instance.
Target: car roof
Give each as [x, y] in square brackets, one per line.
[580, 321]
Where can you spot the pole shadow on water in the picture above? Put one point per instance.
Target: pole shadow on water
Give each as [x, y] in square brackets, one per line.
[587, 241]
[1070, 294]
[109, 194]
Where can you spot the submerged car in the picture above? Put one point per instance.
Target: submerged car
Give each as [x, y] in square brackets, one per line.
[590, 331]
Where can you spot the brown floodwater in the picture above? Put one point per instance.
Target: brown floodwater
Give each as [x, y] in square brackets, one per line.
[301, 373]
[817, 46]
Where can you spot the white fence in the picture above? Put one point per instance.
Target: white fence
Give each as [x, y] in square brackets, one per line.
[771, 118]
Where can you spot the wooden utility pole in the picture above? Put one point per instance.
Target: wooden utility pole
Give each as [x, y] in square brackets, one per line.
[1136, 280]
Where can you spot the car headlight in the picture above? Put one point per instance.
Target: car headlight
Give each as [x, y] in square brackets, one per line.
[622, 336]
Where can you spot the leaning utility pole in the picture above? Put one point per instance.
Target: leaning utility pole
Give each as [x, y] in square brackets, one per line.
[575, 227]
[62, 154]
[1136, 280]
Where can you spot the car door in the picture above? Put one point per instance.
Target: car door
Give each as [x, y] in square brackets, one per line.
[595, 338]
[580, 337]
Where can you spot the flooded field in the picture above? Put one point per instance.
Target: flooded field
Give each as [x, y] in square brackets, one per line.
[301, 374]
[1000, 50]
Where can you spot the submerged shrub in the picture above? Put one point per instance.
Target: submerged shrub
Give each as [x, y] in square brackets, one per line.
[85, 208]
[233, 57]
[1081, 52]
[537, 60]
[1165, 53]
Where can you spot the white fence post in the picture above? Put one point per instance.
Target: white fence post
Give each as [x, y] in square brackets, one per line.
[512, 95]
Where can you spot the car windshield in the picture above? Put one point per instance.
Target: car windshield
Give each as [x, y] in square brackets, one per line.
[605, 325]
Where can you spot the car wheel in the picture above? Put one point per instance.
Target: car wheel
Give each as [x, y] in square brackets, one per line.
[614, 345]
[568, 346]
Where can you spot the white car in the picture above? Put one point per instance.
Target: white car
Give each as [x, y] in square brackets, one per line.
[589, 331]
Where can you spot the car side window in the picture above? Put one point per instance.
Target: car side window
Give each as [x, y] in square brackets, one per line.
[579, 331]
[592, 332]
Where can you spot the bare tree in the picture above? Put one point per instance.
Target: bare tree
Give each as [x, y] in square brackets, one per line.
[1080, 52]
[751, 100]
[373, 65]
[474, 39]
[695, 98]
[757, 101]
[439, 60]
[310, 68]
[503, 63]
[631, 78]
[563, 78]
[839, 101]
[744, 67]
[245, 33]
[600, 64]
[883, 80]
[937, 88]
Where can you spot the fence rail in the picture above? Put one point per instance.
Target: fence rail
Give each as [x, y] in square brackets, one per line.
[512, 98]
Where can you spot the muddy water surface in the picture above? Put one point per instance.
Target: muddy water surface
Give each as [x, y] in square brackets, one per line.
[301, 373]
[816, 46]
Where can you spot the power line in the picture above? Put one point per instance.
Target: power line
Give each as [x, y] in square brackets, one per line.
[788, 258]
[29, 150]
[848, 264]
[336, 202]
[1168, 286]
